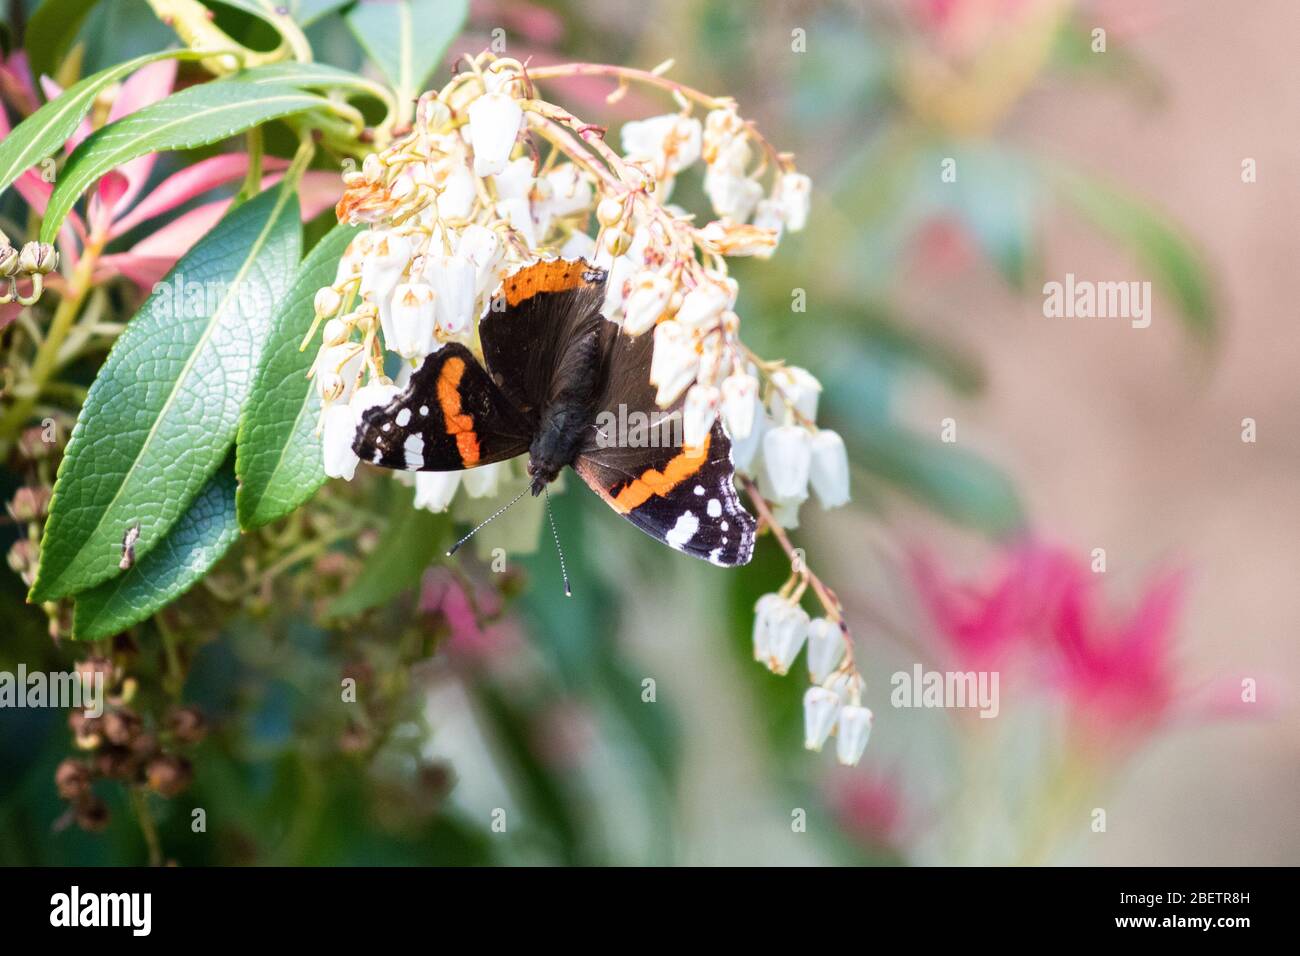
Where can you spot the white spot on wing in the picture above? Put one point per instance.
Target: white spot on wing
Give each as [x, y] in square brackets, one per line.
[414, 450]
[683, 530]
[699, 489]
[403, 418]
[424, 410]
[715, 507]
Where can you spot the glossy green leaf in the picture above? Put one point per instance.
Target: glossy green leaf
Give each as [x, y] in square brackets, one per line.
[51, 30]
[407, 39]
[1176, 265]
[164, 409]
[413, 538]
[311, 76]
[307, 12]
[44, 132]
[278, 451]
[194, 117]
[186, 552]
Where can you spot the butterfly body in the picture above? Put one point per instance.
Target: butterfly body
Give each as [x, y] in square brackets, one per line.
[559, 381]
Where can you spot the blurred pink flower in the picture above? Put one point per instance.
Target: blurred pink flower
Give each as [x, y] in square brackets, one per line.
[119, 201]
[869, 807]
[475, 633]
[1044, 610]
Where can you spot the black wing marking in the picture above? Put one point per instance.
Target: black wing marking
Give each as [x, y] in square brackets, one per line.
[450, 417]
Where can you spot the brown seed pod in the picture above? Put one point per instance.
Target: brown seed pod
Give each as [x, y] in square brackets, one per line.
[169, 774]
[72, 778]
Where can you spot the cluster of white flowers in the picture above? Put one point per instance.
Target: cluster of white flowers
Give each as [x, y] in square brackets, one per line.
[491, 178]
[833, 704]
[465, 198]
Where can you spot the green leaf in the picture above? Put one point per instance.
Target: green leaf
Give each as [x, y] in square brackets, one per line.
[190, 548]
[311, 76]
[407, 39]
[278, 451]
[44, 132]
[194, 117]
[51, 30]
[1177, 266]
[958, 484]
[164, 409]
[413, 538]
[307, 12]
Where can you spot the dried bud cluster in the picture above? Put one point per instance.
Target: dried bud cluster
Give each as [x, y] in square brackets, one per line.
[34, 261]
[118, 745]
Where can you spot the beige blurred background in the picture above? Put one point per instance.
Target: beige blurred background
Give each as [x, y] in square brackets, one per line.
[1127, 439]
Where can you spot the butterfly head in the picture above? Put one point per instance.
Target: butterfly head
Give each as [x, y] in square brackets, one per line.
[541, 475]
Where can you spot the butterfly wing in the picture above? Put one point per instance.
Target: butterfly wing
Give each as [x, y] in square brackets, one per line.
[549, 305]
[450, 417]
[635, 461]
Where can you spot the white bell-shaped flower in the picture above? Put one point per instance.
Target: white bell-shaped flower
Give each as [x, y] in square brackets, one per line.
[787, 457]
[675, 361]
[483, 481]
[740, 404]
[821, 707]
[794, 194]
[763, 610]
[722, 127]
[853, 734]
[412, 320]
[646, 301]
[454, 280]
[699, 412]
[788, 630]
[704, 305]
[336, 371]
[829, 469]
[456, 201]
[732, 194]
[482, 247]
[621, 271]
[435, 489]
[382, 268]
[797, 387]
[825, 649]
[494, 120]
[570, 190]
[669, 143]
[338, 430]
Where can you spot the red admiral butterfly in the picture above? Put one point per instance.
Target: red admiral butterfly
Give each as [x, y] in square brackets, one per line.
[556, 369]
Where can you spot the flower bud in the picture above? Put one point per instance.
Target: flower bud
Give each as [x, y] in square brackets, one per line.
[328, 301]
[29, 504]
[38, 258]
[169, 775]
[72, 779]
[8, 261]
[794, 194]
[187, 725]
[609, 211]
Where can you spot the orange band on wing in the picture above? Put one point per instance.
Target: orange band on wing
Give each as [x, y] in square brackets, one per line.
[653, 482]
[457, 422]
[549, 275]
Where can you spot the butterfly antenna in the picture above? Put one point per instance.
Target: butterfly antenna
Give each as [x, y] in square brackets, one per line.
[560, 551]
[500, 511]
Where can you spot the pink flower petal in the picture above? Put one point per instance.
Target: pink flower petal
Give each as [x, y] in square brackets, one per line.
[147, 85]
[187, 183]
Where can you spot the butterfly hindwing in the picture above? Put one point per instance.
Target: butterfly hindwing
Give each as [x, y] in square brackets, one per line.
[450, 417]
[687, 499]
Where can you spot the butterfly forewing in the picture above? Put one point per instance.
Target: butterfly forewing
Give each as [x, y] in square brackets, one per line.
[451, 416]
